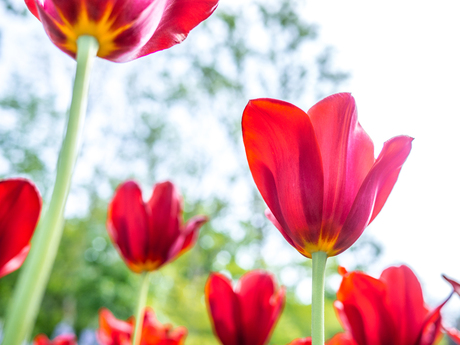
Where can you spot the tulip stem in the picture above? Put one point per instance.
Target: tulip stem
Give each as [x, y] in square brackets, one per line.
[317, 301]
[141, 303]
[35, 274]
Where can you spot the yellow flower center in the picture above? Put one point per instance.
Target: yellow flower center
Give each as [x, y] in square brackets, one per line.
[101, 30]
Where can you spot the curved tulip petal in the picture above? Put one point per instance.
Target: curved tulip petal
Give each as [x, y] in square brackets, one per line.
[191, 232]
[347, 154]
[128, 224]
[165, 211]
[245, 315]
[223, 307]
[404, 297]
[455, 285]
[341, 339]
[179, 18]
[256, 292]
[285, 163]
[20, 206]
[363, 301]
[374, 190]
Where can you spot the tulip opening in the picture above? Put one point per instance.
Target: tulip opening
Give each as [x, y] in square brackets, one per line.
[37, 268]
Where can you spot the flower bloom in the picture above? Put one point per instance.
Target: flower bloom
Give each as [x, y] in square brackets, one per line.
[64, 339]
[125, 29]
[246, 314]
[20, 206]
[388, 310]
[149, 235]
[117, 332]
[452, 332]
[316, 171]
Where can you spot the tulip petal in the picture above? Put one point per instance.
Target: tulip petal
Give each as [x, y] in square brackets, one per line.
[190, 232]
[179, 18]
[20, 206]
[404, 299]
[128, 224]
[223, 307]
[285, 162]
[113, 331]
[32, 7]
[165, 210]
[431, 329]
[347, 154]
[364, 310]
[341, 339]
[260, 306]
[374, 190]
[455, 285]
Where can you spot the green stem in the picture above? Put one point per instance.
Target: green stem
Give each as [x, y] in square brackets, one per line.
[317, 301]
[142, 301]
[35, 274]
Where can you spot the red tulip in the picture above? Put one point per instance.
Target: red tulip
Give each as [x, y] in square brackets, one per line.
[338, 339]
[117, 332]
[20, 206]
[149, 235]
[64, 339]
[125, 29]
[246, 314]
[389, 310]
[316, 171]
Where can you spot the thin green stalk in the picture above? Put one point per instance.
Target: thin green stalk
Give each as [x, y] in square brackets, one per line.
[35, 273]
[142, 301]
[317, 300]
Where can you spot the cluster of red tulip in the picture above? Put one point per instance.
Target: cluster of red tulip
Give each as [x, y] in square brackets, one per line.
[316, 172]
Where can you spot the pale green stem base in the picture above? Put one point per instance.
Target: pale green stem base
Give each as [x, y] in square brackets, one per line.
[317, 301]
[141, 303]
[35, 274]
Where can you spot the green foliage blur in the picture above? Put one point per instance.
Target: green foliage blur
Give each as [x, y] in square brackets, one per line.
[165, 116]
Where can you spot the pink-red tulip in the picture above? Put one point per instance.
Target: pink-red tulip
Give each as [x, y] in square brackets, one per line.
[150, 234]
[64, 339]
[388, 310]
[246, 314]
[317, 172]
[125, 29]
[20, 206]
[118, 332]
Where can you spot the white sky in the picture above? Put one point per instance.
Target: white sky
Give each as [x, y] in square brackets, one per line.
[404, 58]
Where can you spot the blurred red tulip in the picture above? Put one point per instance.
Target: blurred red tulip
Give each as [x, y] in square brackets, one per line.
[247, 314]
[338, 339]
[64, 339]
[316, 171]
[117, 332]
[149, 235]
[20, 206]
[125, 29]
[389, 310]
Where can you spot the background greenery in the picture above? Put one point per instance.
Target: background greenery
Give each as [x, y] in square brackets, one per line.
[173, 115]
